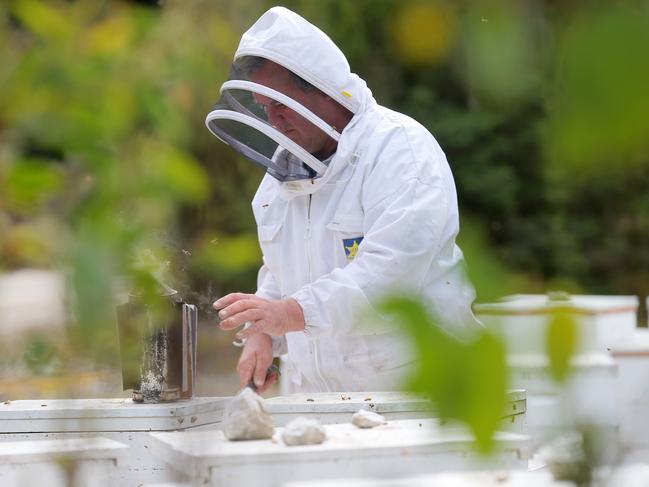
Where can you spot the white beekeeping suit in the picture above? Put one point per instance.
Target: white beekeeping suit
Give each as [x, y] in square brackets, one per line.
[337, 233]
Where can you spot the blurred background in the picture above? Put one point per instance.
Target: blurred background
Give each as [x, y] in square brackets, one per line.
[108, 175]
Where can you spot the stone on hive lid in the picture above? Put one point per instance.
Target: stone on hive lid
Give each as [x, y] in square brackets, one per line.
[304, 431]
[367, 419]
[245, 417]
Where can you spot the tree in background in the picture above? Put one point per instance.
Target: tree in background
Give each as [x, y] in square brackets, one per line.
[541, 110]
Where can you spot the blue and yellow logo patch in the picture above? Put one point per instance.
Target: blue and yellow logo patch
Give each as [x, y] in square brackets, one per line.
[351, 247]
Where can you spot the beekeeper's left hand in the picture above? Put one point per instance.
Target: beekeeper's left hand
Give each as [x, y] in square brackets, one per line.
[270, 316]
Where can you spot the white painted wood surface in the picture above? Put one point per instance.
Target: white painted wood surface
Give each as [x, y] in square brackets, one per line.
[633, 371]
[590, 395]
[380, 402]
[104, 415]
[139, 466]
[100, 415]
[55, 463]
[398, 448]
[167, 484]
[117, 419]
[603, 321]
[630, 475]
[21, 452]
[129, 423]
[500, 478]
[336, 407]
[531, 372]
[334, 402]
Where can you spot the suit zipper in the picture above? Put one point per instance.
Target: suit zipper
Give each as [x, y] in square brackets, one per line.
[308, 238]
[313, 343]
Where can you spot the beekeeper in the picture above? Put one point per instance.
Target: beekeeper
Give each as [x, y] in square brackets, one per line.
[358, 200]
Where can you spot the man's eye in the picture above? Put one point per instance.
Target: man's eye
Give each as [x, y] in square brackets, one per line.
[277, 104]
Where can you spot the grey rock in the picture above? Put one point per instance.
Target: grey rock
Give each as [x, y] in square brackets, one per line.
[246, 418]
[303, 431]
[367, 419]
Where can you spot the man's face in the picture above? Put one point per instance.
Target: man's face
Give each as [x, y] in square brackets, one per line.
[284, 119]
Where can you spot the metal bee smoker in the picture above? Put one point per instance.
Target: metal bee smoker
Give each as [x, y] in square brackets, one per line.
[158, 347]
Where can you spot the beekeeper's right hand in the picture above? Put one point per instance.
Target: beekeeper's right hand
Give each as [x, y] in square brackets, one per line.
[256, 357]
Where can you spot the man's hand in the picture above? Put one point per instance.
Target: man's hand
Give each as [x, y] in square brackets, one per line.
[269, 316]
[256, 357]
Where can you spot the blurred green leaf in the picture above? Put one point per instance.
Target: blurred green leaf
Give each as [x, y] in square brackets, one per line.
[43, 18]
[40, 355]
[466, 381]
[32, 243]
[111, 36]
[491, 278]
[500, 55]
[225, 256]
[94, 333]
[424, 32]
[487, 382]
[561, 344]
[173, 172]
[599, 105]
[29, 183]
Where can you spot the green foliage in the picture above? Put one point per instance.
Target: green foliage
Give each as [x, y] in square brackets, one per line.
[40, 355]
[227, 256]
[599, 111]
[101, 157]
[561, 344]
[500, 55]
[490, 277]
[29, 184]
[465, 380]
[105, 108]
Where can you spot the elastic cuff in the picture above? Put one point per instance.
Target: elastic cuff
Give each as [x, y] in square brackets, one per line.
[311, 326]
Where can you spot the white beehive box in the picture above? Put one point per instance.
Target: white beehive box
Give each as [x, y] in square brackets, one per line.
[91, 462]
[591, 371]
[636, 475]
[101, 415]
[633, 369]
[116, 419]
[336, 407]
[496, 478]
[31, 300]
[395, 449]
[589, 395]
[603, 321]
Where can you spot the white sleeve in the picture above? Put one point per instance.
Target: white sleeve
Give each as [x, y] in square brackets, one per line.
[403, 241]
[267, 288]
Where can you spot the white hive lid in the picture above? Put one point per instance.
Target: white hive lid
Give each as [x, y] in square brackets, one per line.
[487, 478]
[341, 402]
[637, 346]
[193, 452]
[527, 304]
[20, 452]
[99, 415]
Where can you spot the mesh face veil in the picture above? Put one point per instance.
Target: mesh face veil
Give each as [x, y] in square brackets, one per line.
[275, 119]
